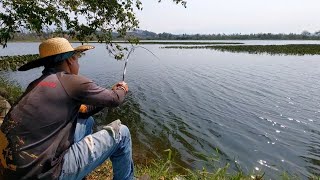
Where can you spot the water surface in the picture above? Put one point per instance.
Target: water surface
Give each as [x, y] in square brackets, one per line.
[261, 111]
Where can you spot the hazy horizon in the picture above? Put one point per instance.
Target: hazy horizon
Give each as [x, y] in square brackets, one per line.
[230, 16]
[222, 33]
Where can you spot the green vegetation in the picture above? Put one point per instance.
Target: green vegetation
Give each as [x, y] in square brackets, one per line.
[99, 19]
[148, 35]
[119, 41]
[159, 169]
[290, 49]
[14, 62]
[11, 91]
[167, 169]
[305, 35]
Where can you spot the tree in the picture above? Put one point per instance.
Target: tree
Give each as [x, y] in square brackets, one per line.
[306, 33]
[80, 19]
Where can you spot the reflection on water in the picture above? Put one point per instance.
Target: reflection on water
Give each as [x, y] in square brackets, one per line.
[259, 111]
[144, 138]
[313, 154]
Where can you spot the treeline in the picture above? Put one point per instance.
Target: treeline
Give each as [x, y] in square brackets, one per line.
[148, 35]
[260, 36]
[305, 35]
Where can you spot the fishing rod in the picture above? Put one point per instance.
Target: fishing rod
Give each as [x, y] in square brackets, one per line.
[127, 59]
[126, 62]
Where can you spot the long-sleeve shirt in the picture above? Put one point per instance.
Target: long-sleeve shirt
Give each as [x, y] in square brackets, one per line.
[39, 129]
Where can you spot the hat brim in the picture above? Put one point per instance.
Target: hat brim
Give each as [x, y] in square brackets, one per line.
[83, 48]
[54, 58]
[43, 61]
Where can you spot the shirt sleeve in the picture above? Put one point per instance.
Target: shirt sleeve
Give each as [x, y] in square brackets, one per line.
[86, 111]
[87, 92]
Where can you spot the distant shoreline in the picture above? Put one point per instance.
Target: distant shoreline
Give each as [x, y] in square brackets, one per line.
[186, 42]
[288, 49]
[194, 42]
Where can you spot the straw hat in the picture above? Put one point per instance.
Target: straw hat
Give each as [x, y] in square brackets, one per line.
[54, 50]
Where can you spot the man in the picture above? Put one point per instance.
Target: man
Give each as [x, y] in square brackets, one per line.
[43, 137]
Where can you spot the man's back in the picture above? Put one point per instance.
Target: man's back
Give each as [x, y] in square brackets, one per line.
[38, 130]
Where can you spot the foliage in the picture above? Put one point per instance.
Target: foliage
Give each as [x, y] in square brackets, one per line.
[289, 49]
[11, 91]
[80, 19]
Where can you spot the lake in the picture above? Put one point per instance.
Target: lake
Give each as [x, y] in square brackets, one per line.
[258, 111]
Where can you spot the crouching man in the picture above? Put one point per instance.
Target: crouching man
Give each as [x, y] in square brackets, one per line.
[44, 136]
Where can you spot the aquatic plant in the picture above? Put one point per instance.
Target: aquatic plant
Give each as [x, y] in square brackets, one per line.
[289, 49]
[14, 62]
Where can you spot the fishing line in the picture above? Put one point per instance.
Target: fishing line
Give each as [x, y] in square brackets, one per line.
[127, 59]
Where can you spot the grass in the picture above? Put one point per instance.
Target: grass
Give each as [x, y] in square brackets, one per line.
[289, 49]
[166, 169]
[9, 90]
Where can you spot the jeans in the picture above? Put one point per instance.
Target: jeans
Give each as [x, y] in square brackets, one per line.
[91, 150]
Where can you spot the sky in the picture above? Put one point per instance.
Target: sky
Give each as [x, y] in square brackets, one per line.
[230, 16]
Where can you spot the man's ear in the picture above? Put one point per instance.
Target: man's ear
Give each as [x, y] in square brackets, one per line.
[69, 61]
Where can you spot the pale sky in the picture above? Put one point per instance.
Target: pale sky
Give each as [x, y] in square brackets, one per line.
[230, 16]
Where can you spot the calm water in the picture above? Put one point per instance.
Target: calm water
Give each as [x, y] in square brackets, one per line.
[261, 111]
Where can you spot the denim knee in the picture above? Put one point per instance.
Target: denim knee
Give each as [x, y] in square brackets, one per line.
[90, 121]
[125, 132]
[124, 142]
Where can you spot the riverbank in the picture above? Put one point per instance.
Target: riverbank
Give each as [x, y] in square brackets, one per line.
[9, 93]
[151, 169]
[159, 168]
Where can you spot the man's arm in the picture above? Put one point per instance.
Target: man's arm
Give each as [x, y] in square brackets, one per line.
[86, 111]
[87, 92]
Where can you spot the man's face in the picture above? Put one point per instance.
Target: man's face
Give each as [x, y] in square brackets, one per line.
[74, 66]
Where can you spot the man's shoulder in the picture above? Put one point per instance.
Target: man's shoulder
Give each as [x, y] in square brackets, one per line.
[63, 76]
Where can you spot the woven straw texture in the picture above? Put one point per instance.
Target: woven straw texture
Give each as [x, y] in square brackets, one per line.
[58, 45]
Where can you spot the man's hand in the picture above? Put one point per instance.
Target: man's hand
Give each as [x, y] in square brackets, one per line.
[121, 85]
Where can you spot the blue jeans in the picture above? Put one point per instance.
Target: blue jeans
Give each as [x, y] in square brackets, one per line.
[91, 150]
